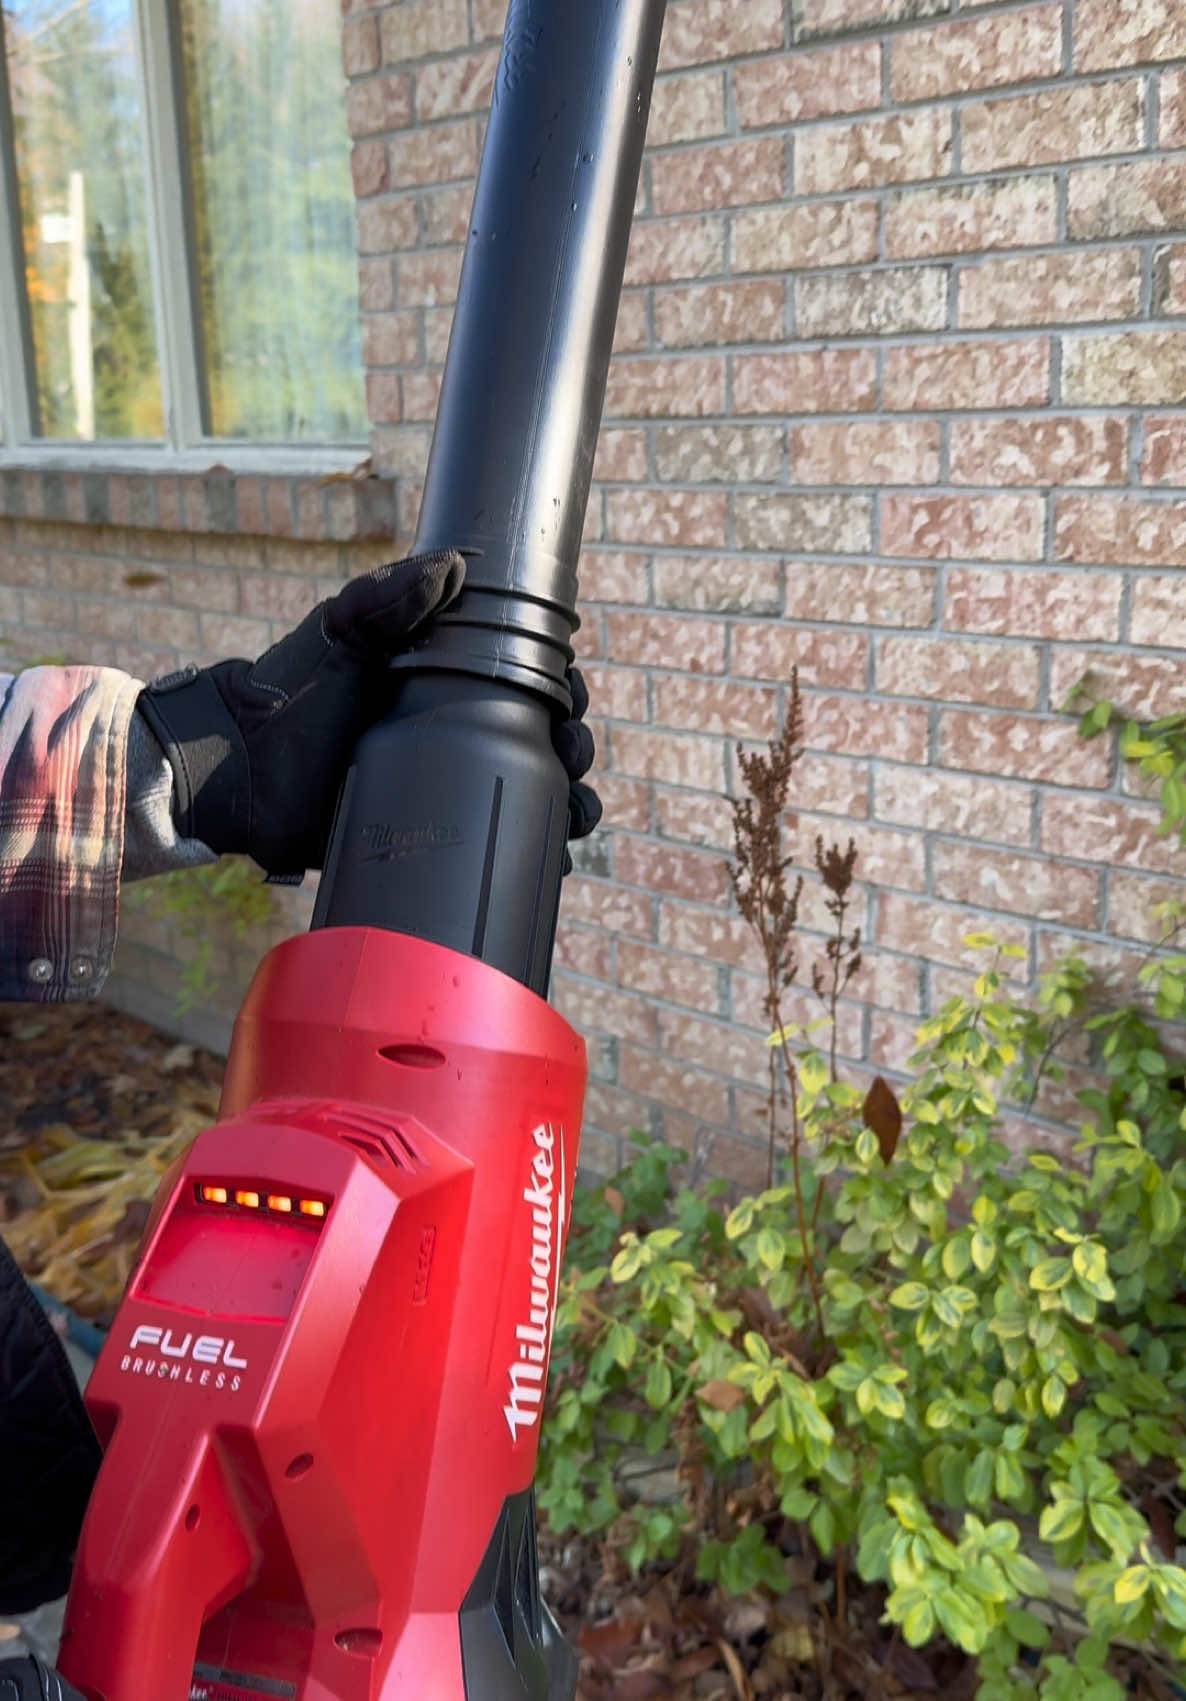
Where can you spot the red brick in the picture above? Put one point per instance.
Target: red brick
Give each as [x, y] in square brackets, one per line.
[697, 875]
[901, 148]
[688, 518]
[937, 932]
[176, 626]
[931, 801]
[1117, 835]
[275, 596]
[603, 904]
[771, 650]
[1159, 605]
[49, 608]
[1120, 531]
[672, 387]
[427, 278]
[1078, 121]
[631, 332]
[489, 18]
[447, 87]
[821, 233]
[893, 300]
[1046, 451]
[390, 339]
[872, 452]
[859, 726]
[708, 933]
[977, 528]
[1133, 902]
[696, 32]
[981, 53]
[446, 213]
[720, 454]
[1018, 212]
[614, 576]
[360, 46]
[233, 635]
[1030, 886]
[87, 573]
[376, 285]
[1021, 747]
[206, 587]
[617, 693]
[1144, 30]
[621, 456]
[676, 758]
[1163, 454]
[593, 1008]
[714, 705]
[802, 85]
[687, 108]
[745, 585]
[727, 174]
[969, 375]
[368, 167]
[439, 154]
[627, 801]
[1126, 200]
[838, 380]
[1169, 281]
[818, 524]
[400, 451]
[1172, 93]
[1005, 676]
[860, 595]
[1054, 289]
[664, 975]
[884, 858]
[720, 313]
[421, 392]
[377, 105]
[675, 249]
[1142, 687]
[1022, 602]
[827, 17]
[386, 226]
[1133, 368]
[739, 1053]
[700, 1094]
[695, 817]
[417, 28]
[584, 951]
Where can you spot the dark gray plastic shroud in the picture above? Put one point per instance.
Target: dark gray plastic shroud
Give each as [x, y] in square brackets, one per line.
[453, 820]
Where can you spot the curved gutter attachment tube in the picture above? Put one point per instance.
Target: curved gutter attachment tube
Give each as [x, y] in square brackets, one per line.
[453, 820]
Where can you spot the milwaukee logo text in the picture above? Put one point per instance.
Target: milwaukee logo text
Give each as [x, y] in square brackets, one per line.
[206, 1361]
[545, 1195]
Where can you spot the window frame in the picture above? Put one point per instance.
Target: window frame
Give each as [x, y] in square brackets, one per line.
[186, 446]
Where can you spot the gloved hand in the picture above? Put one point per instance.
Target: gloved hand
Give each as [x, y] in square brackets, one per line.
[259, 750]
[29, 1680]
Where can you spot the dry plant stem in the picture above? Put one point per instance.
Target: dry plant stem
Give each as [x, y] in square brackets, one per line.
[806, 1224]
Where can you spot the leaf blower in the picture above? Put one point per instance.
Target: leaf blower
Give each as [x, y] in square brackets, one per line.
[320, 1401]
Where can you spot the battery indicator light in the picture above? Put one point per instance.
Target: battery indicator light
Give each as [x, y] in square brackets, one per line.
[214, 1195]
[244, 1197]
[312, 1208]
[279, 1202]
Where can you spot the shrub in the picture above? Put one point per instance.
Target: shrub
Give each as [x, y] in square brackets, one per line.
[914, 1354]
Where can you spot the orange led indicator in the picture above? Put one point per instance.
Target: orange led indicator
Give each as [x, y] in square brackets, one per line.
[312, 1208]
[214, 1195]
[251, 1200]
[278, 1202]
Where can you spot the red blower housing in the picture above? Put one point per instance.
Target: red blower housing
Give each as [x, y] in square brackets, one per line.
[320, 1400]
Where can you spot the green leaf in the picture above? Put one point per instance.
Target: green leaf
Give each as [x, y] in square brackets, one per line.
[983, 1250]
[1026, 1628]
[918, 1624]
[962, 1622]
[1090, 1261]
[622, 1343]
[956, 1257]
[1009, 1477]
[1166, 1211]
[658, 1384]
[911, 1296]
[1060, 1521]
[1050, 1275]
[978, 1478]
[1131, 1585]
[1113, 1529]
[771, 1248]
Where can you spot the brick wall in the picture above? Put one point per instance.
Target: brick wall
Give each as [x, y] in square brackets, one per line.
[900, 400]
[893, 402]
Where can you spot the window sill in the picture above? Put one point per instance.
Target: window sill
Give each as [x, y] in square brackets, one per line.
[316, 495]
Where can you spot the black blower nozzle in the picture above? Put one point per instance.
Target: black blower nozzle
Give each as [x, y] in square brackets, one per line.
[453, 820]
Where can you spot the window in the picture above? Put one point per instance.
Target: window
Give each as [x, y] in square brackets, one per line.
[177, 257]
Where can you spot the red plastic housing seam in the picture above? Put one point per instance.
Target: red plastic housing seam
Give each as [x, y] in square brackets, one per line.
[310, 1429]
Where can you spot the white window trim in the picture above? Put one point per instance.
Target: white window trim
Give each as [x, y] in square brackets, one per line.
[184, 449]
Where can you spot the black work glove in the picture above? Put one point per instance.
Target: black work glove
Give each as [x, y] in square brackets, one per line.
[574, 745]
[259, 750]
[29, 1680]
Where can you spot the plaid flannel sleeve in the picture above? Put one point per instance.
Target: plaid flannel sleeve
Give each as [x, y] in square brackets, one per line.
[63, 789]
